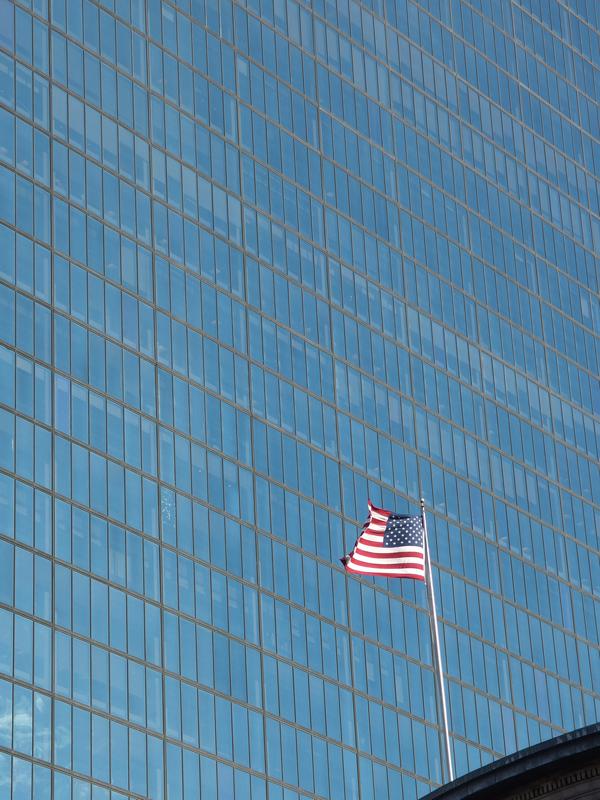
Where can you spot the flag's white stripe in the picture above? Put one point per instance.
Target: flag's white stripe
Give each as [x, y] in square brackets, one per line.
[371, 570]
[371, 537]
[382, 517]
[389, 553]
[371, 549]
[376, 526]
[374, 510]
[386, 561]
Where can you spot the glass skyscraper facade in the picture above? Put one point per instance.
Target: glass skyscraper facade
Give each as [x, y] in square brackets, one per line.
[259, 262]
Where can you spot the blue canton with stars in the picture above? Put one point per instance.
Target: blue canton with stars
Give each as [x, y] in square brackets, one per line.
[403, 531]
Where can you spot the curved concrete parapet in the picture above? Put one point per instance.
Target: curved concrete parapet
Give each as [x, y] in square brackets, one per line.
[565, 768]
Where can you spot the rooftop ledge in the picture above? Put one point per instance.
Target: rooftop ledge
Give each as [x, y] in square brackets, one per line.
[564, 768]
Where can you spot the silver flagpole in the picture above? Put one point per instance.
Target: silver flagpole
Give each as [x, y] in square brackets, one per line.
[436, 646]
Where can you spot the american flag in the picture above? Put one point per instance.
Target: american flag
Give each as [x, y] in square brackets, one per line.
[390, 545]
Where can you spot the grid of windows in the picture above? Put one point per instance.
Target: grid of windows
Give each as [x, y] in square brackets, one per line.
[259, 261]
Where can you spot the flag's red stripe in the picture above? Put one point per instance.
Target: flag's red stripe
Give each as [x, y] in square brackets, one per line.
[379, 545]
[365, 569]
[387, 567]
[417, 575]
[393, 563]
[384, 554]
[382, 513]
[378, 520]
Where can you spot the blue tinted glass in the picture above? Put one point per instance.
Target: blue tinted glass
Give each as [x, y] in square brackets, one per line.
[259, 264]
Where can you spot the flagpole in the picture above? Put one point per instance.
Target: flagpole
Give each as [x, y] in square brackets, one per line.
[436, 646]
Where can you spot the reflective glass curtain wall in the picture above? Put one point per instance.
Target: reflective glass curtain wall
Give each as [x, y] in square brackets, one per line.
[260, 261]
